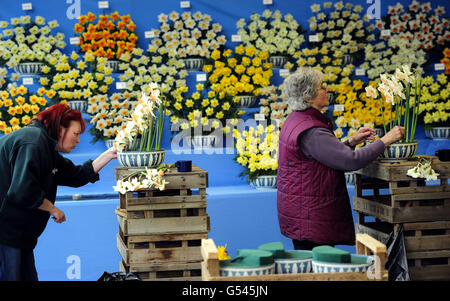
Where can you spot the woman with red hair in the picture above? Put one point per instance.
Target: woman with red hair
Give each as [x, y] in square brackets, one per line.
[32, 168]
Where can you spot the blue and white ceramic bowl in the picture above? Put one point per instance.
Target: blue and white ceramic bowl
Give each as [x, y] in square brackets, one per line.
[265, 182]
[360, 263]
[399, 151]
[203, 141]
[247, 271]
[194, 64]
[247, 101]
[350, 178]
[277, 61]
[438, 133]
[141, 159]
[293, 265]
[80, 105]
[29, 68]
[113, 64]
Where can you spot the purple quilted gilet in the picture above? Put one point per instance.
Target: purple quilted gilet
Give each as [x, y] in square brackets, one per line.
[312, 199]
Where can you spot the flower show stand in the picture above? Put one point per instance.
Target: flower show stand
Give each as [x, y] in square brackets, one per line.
[385, 191]
[160, 231]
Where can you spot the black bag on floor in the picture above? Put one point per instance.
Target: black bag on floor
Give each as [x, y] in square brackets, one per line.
[397, 264]
[119, 276]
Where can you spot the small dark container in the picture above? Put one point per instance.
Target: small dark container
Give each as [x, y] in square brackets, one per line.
[443, 155]
[184, 165]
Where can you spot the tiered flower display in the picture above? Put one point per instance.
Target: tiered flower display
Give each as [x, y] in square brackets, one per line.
[339, 34]
[356, 109]
[257, 151]
[28, 40]
[407, 36]
[18, 107]
[272, 105]
[272, 32]
[107, 36]
[109, 114]
[77, 78]
[342, 29]
[419, 21]
[188, 34]
[206, 109]
[435, 101]
[239, 72]
[156, 66]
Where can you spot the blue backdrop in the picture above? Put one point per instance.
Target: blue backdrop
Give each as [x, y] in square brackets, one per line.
[85, 246]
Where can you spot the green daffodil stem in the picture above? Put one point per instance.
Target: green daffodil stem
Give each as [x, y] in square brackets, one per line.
[134, 145]
[143, 140]
[151, 134]
[382, 114]
[161, 120]
[405, 137]
[416, 110]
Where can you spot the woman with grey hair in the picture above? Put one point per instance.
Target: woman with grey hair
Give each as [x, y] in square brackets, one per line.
[312, 197]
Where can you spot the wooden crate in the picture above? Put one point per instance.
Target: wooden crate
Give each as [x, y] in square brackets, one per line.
[181, 221]
[197, 178]
[427, 236]
[408, 200]
[429, 265]
[364, 245]
[427, 246]
[393, 172]
[165, 272]
[154, 249]
[378, 230]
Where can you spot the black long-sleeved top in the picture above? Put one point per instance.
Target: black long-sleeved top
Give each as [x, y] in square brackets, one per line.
[31, 169]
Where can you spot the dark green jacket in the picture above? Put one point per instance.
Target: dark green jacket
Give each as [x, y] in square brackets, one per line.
[31, 169]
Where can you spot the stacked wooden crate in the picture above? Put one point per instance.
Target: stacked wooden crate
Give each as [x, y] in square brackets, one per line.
[423, 209]
[160, 232]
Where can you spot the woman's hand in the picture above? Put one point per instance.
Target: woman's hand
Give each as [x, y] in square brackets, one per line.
[393, 135]
[58, 215]
[104, 158]
[112, 151]
[363, 134]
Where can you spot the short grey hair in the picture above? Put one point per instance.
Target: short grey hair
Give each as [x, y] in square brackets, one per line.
[301, 86]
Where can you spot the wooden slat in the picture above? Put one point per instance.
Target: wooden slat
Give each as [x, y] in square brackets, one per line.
[421, 189]
[398, 214]
[421, 196]
[153, 256]
[373, 208]
[169, 225]
[428, 254]
[398, 171]
[429, 273]
[197, 178]
[429, 242]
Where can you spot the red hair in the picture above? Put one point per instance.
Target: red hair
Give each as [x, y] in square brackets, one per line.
[59, 115]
